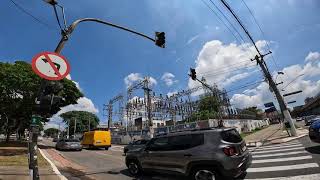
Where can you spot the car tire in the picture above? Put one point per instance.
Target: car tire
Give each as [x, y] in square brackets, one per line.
[106, 148]
[134, 168]
[204, 173]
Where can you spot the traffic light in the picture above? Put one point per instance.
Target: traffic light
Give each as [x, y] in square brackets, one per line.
[160, 39]
[193, 74]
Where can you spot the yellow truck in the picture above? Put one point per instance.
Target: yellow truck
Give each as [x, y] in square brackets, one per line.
[97, 138]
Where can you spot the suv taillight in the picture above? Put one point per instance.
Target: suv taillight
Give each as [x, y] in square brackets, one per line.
[230, 151]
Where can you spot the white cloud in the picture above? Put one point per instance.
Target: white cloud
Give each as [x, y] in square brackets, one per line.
[172, 93]
[131, 78]
[134, 77]
[303, 77]
[83, 104]
[168, 78]
[219, 63]
[75, 82]
[313, 56]
[193, 39]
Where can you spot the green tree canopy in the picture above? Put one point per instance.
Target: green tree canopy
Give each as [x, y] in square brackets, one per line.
[51, 132]
[82, 118]
[207, 108]
[19, 86]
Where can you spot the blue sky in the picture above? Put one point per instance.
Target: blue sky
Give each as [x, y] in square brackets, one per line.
[102, 57]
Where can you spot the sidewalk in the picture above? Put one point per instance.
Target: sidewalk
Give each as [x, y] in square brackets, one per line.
[14, 163]
[273, 134]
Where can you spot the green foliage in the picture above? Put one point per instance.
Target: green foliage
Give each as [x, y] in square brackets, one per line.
[207, 109]
[52, 132]
[83, 118]
[19, 86]
[254, 112]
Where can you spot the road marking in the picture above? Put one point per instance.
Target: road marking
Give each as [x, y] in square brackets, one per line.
[283, 168]
[301, 177]
[281, 159]
[279, 147]
[53, 166]
[277, 150]
[279, 154]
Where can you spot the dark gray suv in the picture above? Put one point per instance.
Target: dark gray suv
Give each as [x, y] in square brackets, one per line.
[198, 154]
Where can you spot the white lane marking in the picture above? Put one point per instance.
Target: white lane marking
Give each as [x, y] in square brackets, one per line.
[300, 177]
[278, 147]
[283, 168]
[277, 150]
[53, 166]
[281, 159]
[279, 154]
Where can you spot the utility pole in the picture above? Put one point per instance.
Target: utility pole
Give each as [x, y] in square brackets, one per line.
[75, 128]
[260, 61]
[148, 103]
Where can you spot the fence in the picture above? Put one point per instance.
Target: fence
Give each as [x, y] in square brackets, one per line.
[242, 125]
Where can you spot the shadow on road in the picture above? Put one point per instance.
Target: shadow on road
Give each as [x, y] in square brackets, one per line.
[314, 149]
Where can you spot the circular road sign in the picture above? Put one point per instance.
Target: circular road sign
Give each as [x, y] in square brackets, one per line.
[51, 66]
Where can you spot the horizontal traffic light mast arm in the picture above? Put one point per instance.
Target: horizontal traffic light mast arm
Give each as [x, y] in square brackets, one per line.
[75, 23]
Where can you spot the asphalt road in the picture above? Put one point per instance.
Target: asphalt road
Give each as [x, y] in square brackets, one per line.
[298, 159]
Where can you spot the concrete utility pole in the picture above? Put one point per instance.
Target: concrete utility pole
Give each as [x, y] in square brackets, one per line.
[260, 61]
[75, 128]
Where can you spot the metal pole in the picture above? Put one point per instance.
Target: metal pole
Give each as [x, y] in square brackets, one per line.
[70, 29]
[75, 127]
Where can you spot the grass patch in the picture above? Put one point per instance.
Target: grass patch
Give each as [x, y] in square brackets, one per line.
[16, 154]
[244, 134]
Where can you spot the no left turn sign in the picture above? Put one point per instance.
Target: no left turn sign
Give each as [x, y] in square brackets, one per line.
[50, 66]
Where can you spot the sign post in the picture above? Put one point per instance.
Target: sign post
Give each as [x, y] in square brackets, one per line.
[53, 67]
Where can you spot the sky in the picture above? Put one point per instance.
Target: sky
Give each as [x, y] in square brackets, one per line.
[105, 60]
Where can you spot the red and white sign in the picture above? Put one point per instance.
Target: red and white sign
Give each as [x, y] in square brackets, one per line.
[51, 66]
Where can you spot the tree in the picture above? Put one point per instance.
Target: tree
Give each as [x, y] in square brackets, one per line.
[19, 86]
[83, 118]
[208, 108]
[52, 132]
[253, 112]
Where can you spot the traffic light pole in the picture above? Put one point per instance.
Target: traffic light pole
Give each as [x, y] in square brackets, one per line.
[194, 77]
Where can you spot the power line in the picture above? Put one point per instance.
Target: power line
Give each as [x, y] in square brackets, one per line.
[220, 19]
[245, 62]
[33, 17]
[227, 71]
[262, 32]
[245, 86]
[227, 20]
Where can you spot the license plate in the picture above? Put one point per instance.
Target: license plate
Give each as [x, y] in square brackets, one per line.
[74, 145]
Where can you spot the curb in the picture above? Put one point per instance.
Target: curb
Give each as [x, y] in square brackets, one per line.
[53, 166]
[289, 139]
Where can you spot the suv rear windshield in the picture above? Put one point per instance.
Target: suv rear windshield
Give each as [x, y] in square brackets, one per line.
[231, 136]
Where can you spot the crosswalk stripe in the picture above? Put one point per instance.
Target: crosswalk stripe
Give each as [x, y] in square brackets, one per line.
[277, 150]
[279, 154]
[307, 177]
[279, 147]
[283, 168]
[281, 159]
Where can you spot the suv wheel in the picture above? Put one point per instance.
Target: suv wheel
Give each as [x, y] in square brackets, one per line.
[204, 174]
[134, 168]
